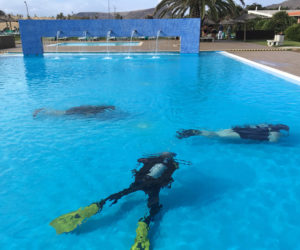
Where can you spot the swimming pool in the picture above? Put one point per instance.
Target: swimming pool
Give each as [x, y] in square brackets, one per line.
[233, 196]
[98, 44]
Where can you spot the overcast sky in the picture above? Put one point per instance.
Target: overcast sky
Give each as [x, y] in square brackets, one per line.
[53, 7]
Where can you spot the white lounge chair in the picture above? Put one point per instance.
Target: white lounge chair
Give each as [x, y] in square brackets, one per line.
[63, 38]
[278, 40]
[207, 38]
[83, 38]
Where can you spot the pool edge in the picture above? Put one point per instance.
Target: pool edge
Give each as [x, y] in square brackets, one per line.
[279, 73]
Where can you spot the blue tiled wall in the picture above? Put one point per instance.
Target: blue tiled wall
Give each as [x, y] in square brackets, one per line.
[32, 31]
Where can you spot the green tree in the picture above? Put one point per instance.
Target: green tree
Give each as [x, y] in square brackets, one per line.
[259, 24]
[118, 16]
[196, 8]
[2, 13]
[279, 22]
[60, 16]
[149, 16]
[254, 6]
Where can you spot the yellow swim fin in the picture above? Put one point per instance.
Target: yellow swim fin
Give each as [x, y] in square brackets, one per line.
[68, 222]
[141, 241]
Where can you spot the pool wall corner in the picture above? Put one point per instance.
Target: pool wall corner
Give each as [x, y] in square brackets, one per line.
[32, 31]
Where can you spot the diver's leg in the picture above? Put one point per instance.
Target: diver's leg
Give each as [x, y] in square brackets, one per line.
[153, 205]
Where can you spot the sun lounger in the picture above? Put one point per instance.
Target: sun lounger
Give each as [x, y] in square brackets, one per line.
[206, 38]
[278, 40]
[83, 38]
[63, 38]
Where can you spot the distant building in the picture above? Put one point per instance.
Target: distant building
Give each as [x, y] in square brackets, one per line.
[270, 13]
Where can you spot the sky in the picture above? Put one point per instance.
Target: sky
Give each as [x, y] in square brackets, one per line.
[53, 7]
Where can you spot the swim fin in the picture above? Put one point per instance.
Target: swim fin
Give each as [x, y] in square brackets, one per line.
[68, 222]
[141, 241]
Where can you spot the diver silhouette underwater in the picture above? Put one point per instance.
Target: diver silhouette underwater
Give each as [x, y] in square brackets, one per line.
[155, 174]
[84, 110]
[260, 132]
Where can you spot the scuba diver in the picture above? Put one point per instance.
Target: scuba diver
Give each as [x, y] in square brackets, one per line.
[84, 110]
[261, 132]
[155, 174]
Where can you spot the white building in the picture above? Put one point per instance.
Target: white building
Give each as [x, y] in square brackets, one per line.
[270, 13]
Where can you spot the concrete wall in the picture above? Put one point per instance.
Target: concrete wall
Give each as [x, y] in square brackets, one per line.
[7, 42]
[32, 31]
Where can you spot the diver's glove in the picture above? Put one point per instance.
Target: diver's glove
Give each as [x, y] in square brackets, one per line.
[185, 133]
[141, 241]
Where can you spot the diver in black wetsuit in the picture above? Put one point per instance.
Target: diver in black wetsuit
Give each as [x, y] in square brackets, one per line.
[261, 132]
[155, 174]
[151, 178]
[84, 110]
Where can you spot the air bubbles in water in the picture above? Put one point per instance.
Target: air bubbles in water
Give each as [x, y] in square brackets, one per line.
[143, 125]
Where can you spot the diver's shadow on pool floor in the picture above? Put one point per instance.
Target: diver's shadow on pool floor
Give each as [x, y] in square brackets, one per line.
[194, 191]
[291, 141]
[107, 220]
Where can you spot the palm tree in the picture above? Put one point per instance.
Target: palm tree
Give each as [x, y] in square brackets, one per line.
[195, 8]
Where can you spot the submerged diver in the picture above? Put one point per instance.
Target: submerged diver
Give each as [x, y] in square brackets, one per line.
[155, 174]
[261, 132]
[84, 110]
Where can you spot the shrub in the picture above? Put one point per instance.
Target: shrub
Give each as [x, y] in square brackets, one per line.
[293, 32]
[281, 20]
[259, 24]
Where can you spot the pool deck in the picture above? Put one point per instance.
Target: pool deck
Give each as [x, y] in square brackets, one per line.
[282, 58]
[279, 58]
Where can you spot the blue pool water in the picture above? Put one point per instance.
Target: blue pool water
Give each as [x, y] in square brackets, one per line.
[98, 44]
[233, 196]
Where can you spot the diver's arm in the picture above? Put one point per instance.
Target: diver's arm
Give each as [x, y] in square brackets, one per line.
[116, 196]
[185, 133]
[227, 133]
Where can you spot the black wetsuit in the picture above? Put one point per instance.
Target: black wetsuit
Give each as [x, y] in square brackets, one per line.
[258, 132]
[147, 183]
[88, 110]
[255, 132]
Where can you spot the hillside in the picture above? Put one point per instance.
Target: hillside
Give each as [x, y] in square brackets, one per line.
[138, 14]
[291, 4]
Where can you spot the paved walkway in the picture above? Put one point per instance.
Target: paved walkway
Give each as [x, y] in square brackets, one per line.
[287, 61]
[229, 46]
[279, 58]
